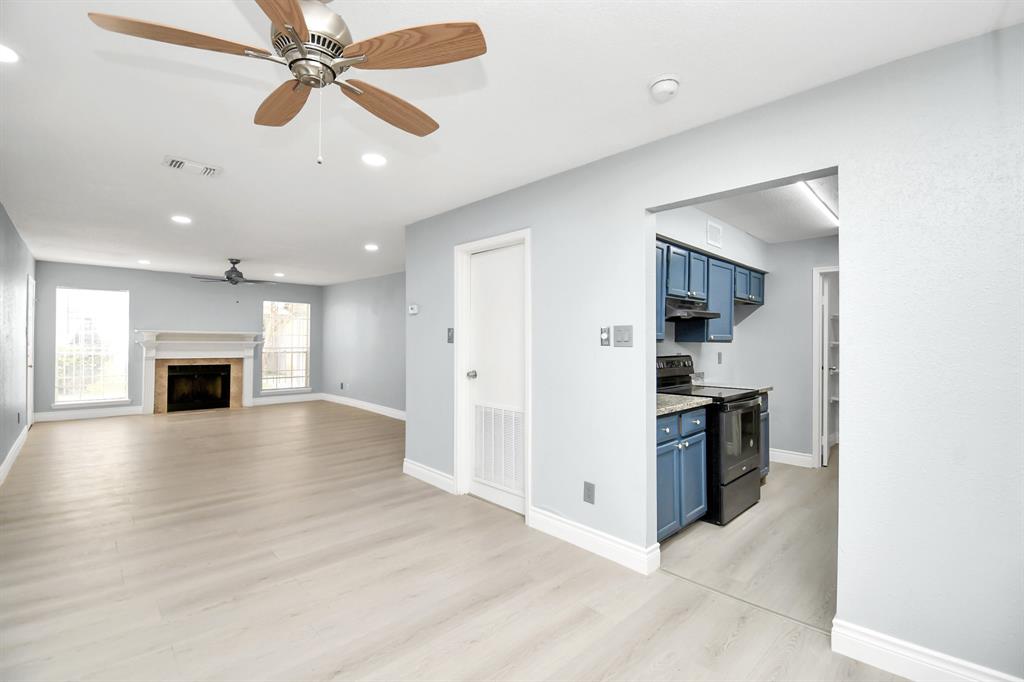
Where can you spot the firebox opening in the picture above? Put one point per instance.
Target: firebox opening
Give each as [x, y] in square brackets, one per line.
[198, 387]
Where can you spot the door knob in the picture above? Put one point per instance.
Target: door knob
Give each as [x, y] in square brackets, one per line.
[471, 374]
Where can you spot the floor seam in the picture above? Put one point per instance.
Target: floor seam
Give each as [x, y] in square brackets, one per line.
[827, 633]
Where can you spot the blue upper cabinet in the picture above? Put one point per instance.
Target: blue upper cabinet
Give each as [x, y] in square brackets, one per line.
[720, 295]
[741, 288]
[698, 276]
[720, 300]
[678, 272]
[756, 287]
[661, 256]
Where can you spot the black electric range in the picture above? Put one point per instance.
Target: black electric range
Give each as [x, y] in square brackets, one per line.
[734, 438]
[675, 376]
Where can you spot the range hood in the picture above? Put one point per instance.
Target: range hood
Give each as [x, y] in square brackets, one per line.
[676, 309]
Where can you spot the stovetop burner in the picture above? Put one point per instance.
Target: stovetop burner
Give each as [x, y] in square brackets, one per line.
[675, 376]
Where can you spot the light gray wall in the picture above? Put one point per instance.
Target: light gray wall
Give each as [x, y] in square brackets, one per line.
[16, 264]
[364, 340]
[931, 530]
[772, 344]
[163, 300]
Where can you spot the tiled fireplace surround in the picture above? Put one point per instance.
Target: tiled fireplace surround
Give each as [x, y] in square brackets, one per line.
[163, 348]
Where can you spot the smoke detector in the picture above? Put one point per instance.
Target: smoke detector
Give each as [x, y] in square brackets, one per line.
[193, 167]
[664, 87]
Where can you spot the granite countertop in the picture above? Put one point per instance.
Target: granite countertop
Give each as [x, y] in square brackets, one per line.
[668, 403]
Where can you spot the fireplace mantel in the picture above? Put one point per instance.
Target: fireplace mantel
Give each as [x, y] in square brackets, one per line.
[177, 344]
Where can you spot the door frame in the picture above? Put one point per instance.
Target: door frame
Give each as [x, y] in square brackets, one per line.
[463, 455]
[818, 331]
[30, 351]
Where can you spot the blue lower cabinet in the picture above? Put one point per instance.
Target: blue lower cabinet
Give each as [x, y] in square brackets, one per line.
[765, 444]
[668, 490]
[693, 498]
[682, 475]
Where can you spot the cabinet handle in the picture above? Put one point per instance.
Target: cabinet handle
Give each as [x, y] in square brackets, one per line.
[666, 429]
[696, 422]
[686, 443]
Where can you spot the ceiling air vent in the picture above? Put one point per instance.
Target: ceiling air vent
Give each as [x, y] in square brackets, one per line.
[714, 237]
[193, 167]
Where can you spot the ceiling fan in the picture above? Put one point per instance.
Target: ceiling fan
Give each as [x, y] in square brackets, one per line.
[316, 46]
[232, 276]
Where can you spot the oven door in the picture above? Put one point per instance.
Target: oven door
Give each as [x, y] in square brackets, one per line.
[739, 433]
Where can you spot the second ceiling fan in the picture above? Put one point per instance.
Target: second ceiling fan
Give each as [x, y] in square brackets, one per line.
[316, 46]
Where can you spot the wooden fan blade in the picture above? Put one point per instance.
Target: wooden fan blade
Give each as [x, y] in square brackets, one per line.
[387, 107]
[169, 34]
[420, 46]
[285, 12]
[282, 104]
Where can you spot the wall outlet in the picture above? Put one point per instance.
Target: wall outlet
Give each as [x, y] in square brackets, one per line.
[451, 334]
[588, 492]
[719, 357]
[341, 385]
[19, 417]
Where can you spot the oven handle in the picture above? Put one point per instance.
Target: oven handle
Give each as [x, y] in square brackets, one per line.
[741, 405]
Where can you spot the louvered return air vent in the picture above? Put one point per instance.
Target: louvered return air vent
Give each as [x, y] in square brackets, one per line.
[193, 167]
[499, 458]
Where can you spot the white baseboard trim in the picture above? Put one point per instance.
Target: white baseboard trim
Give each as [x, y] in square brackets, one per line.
[640, 559]
[799, 459]
[906, 659]
[271, 399]
[363, 405]
[438, 479]
[87, 413]
[12, 454]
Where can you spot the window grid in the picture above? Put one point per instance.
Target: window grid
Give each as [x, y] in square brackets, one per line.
[91, 346]
[285, 345]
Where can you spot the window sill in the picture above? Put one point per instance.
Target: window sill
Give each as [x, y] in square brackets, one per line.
[286, 391]
[91, 403]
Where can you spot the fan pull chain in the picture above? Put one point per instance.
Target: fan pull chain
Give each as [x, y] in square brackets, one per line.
[320, 131]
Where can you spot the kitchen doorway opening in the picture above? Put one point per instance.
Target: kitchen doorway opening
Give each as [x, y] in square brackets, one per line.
[740, 279]
[492, 339]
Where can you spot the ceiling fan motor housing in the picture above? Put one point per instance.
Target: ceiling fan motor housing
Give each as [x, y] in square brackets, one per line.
[328, 37]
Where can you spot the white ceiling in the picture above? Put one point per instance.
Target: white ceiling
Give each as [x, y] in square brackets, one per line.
[780, 214]
[87, 116]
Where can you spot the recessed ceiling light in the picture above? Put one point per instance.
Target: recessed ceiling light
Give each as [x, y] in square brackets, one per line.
[371, 247]
[7, 55]
[143, 261]
[374, 159]
[278, 274]
[181, 219]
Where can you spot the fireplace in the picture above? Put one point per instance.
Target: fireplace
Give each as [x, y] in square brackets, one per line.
[198, 387]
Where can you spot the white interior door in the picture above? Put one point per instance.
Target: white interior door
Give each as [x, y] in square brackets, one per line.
[30, 352]
[495, 375]
[830, 365]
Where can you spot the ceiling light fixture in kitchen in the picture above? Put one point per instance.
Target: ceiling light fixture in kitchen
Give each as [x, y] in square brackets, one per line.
[7, 55]
[819, 203]
[371, 247]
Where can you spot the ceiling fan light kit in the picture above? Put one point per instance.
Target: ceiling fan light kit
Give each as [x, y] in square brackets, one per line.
[316, 46]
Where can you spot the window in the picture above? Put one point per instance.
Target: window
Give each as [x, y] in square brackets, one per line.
[285, 345]
[92, 346]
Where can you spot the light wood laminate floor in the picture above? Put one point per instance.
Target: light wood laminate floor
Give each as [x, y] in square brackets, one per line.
[283, 542]
[780, 554]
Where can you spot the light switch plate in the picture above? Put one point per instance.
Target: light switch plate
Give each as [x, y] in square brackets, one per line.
[606, 336]
[588, 492]
[451, 334]
[623, 335]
